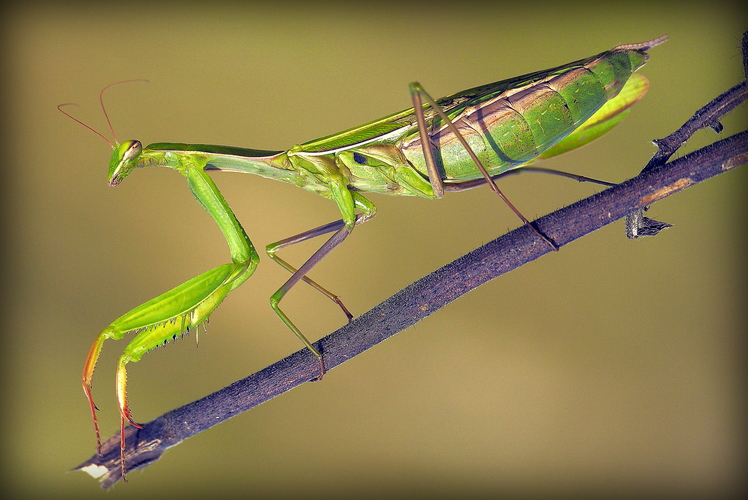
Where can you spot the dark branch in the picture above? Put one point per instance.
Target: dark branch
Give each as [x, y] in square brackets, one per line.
[438, 289]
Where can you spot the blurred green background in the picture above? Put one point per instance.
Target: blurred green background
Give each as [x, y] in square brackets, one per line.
[612, 366]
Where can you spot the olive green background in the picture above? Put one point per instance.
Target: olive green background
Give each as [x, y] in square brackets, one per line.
[611, 366]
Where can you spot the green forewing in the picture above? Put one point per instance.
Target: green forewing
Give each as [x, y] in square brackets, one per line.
[452, 105]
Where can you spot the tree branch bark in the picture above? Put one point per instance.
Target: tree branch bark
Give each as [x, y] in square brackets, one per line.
[432, 292]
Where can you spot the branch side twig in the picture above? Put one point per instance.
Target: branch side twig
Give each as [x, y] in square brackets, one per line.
[707, 116]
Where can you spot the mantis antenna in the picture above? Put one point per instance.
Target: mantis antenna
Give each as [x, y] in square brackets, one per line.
[103, 108]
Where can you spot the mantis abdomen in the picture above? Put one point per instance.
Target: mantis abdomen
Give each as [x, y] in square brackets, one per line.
[515, 127]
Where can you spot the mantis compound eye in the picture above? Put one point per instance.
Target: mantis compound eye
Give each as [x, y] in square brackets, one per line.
[130, 150]
[124, 159]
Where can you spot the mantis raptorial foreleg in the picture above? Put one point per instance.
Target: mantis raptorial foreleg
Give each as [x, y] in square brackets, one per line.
[174, 313]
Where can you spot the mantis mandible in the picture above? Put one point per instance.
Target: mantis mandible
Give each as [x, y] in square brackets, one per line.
[449, 144]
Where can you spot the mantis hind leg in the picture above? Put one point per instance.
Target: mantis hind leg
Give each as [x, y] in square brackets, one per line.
[417, 93]
[340, 229]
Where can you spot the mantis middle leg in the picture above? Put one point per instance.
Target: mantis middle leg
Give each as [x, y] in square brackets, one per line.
[340, 229]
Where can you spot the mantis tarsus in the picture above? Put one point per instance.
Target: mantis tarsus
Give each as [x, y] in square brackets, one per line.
[450, 144]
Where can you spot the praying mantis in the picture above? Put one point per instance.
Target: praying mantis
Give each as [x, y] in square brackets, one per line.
[450, 144]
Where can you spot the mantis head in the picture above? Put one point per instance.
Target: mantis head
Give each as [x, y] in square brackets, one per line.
[124, 159]
[125, 155]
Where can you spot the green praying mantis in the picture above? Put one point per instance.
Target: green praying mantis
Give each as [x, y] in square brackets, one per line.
[450, 144]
